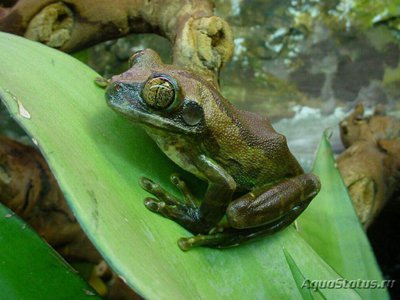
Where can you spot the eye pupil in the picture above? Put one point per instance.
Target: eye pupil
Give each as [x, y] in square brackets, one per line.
[158, 92]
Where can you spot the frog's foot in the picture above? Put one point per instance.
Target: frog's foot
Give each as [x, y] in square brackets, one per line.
[186, 212]
[102, 82]
[232, 237]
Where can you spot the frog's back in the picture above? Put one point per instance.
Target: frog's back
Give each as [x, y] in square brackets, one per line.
[252, 151]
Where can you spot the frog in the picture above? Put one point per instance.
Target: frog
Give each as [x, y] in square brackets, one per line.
[255, 186]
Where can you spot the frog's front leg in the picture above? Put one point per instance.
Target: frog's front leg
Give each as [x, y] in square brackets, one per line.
[261, 212]
[195, 216]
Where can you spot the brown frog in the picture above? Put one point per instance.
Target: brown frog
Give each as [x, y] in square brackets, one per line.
[255, 185]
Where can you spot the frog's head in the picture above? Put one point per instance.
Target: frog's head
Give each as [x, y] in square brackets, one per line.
[159, 96]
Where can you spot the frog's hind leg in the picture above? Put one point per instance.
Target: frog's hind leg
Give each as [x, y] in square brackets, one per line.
[233, 237]
[261, 212]
[266, 205]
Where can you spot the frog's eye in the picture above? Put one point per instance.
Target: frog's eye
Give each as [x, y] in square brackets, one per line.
[159, 92]
[192, 113]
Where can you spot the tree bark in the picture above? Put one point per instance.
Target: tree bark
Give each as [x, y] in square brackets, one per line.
[370, 165]
[201, 41]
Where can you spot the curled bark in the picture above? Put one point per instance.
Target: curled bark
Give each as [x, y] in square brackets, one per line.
[370, 166]
[28, 187]
[201, 41]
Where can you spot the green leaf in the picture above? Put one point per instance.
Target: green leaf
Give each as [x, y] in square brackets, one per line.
[98, 157]
[331, 227]
[30, 269]
[298, 277]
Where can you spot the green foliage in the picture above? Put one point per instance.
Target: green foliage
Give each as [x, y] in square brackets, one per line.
[30, 269]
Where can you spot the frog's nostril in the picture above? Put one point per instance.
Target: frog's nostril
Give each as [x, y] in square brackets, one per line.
[113, 89]
[117, 87]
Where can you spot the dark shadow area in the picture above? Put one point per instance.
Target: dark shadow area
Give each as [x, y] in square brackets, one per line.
[384, 235]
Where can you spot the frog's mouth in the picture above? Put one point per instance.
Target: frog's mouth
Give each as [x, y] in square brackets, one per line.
[126, 100]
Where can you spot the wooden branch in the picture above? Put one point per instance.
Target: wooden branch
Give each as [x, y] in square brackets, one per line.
[370, 165]
[201, 41]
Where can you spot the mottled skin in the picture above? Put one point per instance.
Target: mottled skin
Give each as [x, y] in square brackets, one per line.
[255, 185]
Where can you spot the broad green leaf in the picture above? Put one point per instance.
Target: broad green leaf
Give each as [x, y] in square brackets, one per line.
[31, 269]
[331, 227]
[298, 277]
[98, 157]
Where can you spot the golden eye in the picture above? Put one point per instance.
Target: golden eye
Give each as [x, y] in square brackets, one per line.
[159, 92]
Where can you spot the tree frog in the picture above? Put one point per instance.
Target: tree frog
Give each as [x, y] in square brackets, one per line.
[255, 185]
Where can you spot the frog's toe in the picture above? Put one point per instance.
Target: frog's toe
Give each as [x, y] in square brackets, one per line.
[102, 82]
[146, 183]
[170, 211]
[185, 243]
[191, 242]
[155, 189]
[154, 205]
[176, 179]
[185, 191]
[184, 215]
[210, 240]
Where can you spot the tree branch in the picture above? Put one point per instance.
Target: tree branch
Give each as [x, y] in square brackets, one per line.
[201, 41]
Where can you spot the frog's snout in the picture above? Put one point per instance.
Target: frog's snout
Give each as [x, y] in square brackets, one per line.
[124, 98]
[116, 97]
[111, 92]
[117, 94]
